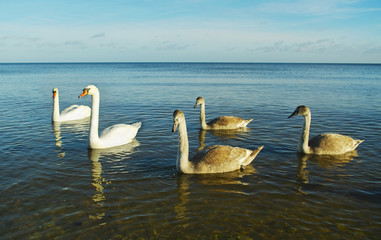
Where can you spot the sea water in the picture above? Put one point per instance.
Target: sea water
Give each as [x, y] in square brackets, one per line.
[53, 186]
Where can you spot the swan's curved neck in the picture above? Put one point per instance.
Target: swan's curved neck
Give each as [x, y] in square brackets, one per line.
[202, 116]
[56, 108]
[182, 163]
[94, 137]
[304, 137]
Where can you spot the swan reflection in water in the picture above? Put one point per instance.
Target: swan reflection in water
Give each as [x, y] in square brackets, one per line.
[57, 136]
[95, 155]
[225, 134]
[79, 127]
[324, 161]
[228, 182]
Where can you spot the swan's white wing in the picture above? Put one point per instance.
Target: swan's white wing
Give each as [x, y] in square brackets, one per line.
[75, 112]
[119, 134]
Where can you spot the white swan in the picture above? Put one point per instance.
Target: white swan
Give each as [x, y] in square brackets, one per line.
[329, 143]
[72, 113]
[113, 136]
[223, 122]
[215, 159]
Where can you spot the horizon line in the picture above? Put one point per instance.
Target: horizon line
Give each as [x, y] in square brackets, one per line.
[210, 62]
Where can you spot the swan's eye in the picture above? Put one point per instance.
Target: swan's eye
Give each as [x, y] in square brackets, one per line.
[86, 91]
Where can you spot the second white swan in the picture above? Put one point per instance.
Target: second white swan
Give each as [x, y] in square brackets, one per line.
[113, 136]
[72, 113]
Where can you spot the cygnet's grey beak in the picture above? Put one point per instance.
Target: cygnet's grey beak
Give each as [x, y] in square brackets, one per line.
[174, 127]
[293, 114]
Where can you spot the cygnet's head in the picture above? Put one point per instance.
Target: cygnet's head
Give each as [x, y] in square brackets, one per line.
[199, 101]
[301, 110]
[178, 116]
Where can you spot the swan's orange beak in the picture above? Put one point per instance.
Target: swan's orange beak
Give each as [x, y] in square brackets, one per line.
[54, 94]
[84, 93]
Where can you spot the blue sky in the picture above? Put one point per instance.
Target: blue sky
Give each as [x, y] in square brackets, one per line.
[332, 31]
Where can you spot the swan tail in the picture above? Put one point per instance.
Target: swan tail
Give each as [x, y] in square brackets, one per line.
[256, 151]
[137, 124]
[247, 122]
[357, 143]
[252, 156]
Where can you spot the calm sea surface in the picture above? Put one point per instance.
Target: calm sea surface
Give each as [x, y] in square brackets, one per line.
[53, 187]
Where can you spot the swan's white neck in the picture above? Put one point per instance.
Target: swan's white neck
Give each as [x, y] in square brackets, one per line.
[202, 116]
[94, 137]
[304, 137]
[56, 108]
[182, 163]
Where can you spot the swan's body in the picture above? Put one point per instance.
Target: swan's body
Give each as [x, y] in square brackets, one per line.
[329, 143]
[72, 113]
[113, 136]
[223, 122]
[215, 159]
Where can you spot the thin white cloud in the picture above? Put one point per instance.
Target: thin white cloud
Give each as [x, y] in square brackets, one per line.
[313, 46]
[373, 50]
[13, 38]
[169, 46]
[334, 8]
[98, 35]
[112, 45]
[78, 44]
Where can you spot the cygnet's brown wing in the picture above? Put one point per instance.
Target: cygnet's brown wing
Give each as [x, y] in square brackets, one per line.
[227, 122]
[220, 158]
[331, 143]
